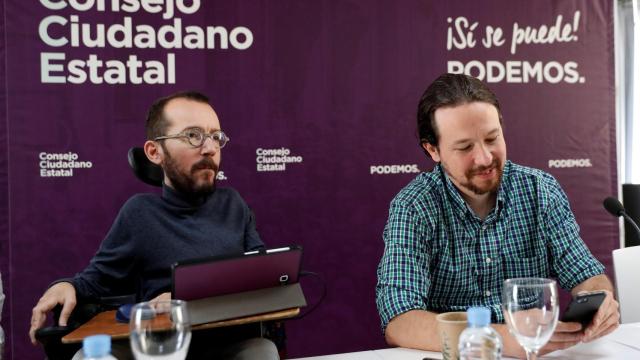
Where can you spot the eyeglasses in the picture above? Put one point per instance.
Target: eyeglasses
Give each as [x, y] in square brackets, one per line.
[196, 137]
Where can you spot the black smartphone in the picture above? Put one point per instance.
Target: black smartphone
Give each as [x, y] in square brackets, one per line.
[583, 307]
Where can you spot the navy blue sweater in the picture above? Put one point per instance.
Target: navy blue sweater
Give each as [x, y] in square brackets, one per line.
[151, 233]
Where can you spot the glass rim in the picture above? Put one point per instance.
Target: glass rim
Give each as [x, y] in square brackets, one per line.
[150, 311]
[529, 281]
[152, 303]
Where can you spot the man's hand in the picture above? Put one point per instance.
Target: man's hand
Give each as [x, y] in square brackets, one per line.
[608, 316]
[62, 293]
[162, 297]
[605, 320]
[565, 336]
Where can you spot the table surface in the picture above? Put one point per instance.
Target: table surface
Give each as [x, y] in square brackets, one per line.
[105, 323]
[622, 344]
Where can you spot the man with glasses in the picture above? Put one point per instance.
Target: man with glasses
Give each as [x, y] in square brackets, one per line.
[192, 219]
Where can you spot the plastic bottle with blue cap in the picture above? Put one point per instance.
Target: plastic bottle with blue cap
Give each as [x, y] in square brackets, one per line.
[96, 347]
[479, 341]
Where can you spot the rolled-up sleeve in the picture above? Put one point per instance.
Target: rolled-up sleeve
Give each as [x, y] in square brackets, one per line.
[403, 272]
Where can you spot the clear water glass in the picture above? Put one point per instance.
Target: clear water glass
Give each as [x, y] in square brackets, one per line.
[530, 308]
[160, 330]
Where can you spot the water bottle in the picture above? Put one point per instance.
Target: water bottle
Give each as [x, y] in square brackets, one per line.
[479, 341]
[96, 347]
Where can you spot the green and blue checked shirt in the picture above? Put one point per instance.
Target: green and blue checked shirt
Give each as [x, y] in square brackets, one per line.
[439, 256]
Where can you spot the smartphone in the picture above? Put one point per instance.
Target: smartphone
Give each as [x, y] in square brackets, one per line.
[583, 307]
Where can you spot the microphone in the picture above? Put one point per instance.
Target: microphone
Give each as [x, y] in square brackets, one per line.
[615, 208]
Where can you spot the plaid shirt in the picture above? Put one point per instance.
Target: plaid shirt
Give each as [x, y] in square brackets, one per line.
[439, 256]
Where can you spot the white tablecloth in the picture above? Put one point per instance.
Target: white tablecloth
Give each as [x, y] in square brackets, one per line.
[622, 344]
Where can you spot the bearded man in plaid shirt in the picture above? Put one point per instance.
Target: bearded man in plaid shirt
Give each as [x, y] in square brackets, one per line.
[456, 233]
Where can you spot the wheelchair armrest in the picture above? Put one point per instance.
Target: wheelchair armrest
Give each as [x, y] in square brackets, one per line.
[51, 337]
[47, 335]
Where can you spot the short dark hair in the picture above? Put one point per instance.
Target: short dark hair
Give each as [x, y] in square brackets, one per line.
[446, 91]
[157, 123]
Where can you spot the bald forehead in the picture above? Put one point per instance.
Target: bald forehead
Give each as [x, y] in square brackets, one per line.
[185, 106]
[182, 112]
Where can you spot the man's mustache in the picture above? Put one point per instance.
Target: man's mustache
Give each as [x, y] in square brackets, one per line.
[494, 165]
[205, 163]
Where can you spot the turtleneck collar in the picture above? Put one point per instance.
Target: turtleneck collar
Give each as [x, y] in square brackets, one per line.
[181, 199]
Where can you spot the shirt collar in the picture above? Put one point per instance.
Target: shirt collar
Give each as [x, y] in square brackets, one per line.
[501, 199]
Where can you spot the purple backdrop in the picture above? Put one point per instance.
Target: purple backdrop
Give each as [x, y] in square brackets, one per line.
[333, 85]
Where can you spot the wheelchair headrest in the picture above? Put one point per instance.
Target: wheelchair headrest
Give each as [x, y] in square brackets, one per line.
[144, 169]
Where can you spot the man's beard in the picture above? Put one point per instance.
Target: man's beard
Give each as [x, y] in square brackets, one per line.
[468, 183]
[185, 183]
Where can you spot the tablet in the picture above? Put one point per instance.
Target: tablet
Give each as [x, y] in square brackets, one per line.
[215, 276]
[254, 283]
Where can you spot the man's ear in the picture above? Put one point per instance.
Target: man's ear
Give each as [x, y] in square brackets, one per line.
[432, 150]
[153, 151]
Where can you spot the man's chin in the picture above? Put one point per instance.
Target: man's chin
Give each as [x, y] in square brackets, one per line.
[205, 175]
[206, 171]
[206, 186]
[485, 187]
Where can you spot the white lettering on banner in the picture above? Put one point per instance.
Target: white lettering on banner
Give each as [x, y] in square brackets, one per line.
[97, 71]
[130, 6]
[59, 31]
[142, 36]
[393, 169]
[56, 173]
[53, 5]
[493, 71]
[49, 67]
[60, 164]
[43, 30]
[280, 152]
[557, 32]
[570, 163]
[276, 159]
[462, 34]
[64, 156]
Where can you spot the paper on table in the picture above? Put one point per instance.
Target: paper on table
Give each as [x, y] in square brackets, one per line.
[627, 334]
[624, 343]
[597, 350]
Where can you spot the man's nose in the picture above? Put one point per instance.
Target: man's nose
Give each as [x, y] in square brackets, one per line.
[483, 156]
[209, 146]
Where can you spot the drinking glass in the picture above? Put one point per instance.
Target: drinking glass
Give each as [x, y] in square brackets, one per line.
[530, 308]
[160, 330]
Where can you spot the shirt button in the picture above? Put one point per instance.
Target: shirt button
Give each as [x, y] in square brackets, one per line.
[484, 227]
[487, 293]
[488, 260]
